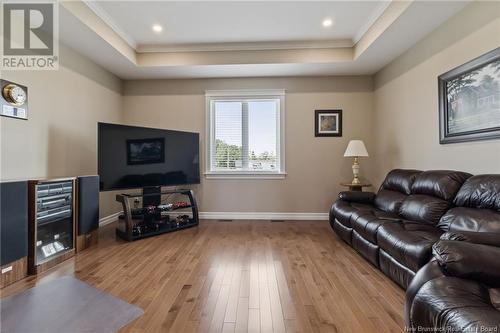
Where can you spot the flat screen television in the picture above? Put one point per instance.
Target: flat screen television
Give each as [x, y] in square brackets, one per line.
[135, 157]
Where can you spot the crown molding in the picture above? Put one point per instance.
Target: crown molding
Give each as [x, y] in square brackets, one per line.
[214, 47]
[379, 11]
[245, 92]
[247, 46]
[380, 43]
[236, 46]
[104, 16]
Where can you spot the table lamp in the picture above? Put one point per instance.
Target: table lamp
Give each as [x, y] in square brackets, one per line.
[356, 149]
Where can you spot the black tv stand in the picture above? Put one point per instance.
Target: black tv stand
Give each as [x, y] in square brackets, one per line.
[153, 218]
[151, 196]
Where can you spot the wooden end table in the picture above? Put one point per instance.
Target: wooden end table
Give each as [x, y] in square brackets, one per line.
[356, 187]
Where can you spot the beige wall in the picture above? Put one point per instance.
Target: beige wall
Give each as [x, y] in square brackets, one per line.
[406, 97]
[315, 166]
[398, 121]
[60, 137]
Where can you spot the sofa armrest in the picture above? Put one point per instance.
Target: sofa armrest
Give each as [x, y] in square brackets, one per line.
[430, 271]
[485, 238]
[469, 261]
[357, 196]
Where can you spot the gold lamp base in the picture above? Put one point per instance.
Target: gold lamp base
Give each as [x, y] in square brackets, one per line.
[355, 171]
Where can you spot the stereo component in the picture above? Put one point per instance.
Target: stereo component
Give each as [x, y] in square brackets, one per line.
[51, 223]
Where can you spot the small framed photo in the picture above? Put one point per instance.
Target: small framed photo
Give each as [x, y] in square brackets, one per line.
[327, 123]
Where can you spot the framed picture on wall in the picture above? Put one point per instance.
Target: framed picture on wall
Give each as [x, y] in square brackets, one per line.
[327, 123]
[469, 100]
[145, 151]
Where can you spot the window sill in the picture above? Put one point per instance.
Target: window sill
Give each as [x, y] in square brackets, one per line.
[245, 175]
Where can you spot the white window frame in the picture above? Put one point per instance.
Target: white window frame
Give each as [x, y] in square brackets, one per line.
[211, 96]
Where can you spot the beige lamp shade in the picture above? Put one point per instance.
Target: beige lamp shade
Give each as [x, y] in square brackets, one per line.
[356, 148]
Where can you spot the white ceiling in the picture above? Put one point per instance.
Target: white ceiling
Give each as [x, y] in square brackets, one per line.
[242, 26]
[238, 21]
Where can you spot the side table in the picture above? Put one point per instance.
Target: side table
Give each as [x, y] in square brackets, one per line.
[356, 187]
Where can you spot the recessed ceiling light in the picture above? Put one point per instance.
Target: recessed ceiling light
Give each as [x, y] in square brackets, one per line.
[157, 28]
[327, 22]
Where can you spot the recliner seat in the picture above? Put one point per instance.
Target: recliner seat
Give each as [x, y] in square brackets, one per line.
[396, 228]
[356, 216]
[459, 290]
[406, 246]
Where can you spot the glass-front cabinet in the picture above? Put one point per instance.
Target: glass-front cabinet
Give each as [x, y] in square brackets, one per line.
[52, 219]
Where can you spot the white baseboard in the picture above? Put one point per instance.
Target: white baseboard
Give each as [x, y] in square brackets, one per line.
[108, 219]
[241, 216]
[262, 216]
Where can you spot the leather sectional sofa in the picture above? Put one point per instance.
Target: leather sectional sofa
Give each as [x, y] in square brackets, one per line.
[459, 290]
[396, 228]
[450, 217]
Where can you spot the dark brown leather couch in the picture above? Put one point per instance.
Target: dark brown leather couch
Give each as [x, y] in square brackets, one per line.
[450, 217]
[396, 228]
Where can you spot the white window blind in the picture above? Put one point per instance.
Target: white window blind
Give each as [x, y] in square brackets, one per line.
[245, 133]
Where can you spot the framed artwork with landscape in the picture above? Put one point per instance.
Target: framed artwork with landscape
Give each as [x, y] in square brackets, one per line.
[145, 151]
[469, 100]
[327, 123]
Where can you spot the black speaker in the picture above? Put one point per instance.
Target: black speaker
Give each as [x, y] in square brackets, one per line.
[13, 221]
[88, 204]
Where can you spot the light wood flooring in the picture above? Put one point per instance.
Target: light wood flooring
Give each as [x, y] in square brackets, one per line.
[255, 276]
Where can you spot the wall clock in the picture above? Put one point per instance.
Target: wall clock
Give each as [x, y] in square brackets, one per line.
[14, 94]
[14, 100]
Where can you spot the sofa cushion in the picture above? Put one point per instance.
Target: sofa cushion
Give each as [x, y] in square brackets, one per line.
[394, 190]
[470, 219]
[443, 184]
[432, 193]
[451, 304]
[366, 225]
[482, 191]
[344, 211]
[389, 201]
[410, 243]
[400, 180]
[423, 208]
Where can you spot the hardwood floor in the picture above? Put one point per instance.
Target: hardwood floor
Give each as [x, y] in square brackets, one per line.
[255, 276]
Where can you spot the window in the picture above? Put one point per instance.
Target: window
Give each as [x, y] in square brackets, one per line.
[245, 134]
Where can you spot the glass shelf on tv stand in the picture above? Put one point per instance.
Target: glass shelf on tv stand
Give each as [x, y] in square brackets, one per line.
[153, 221]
